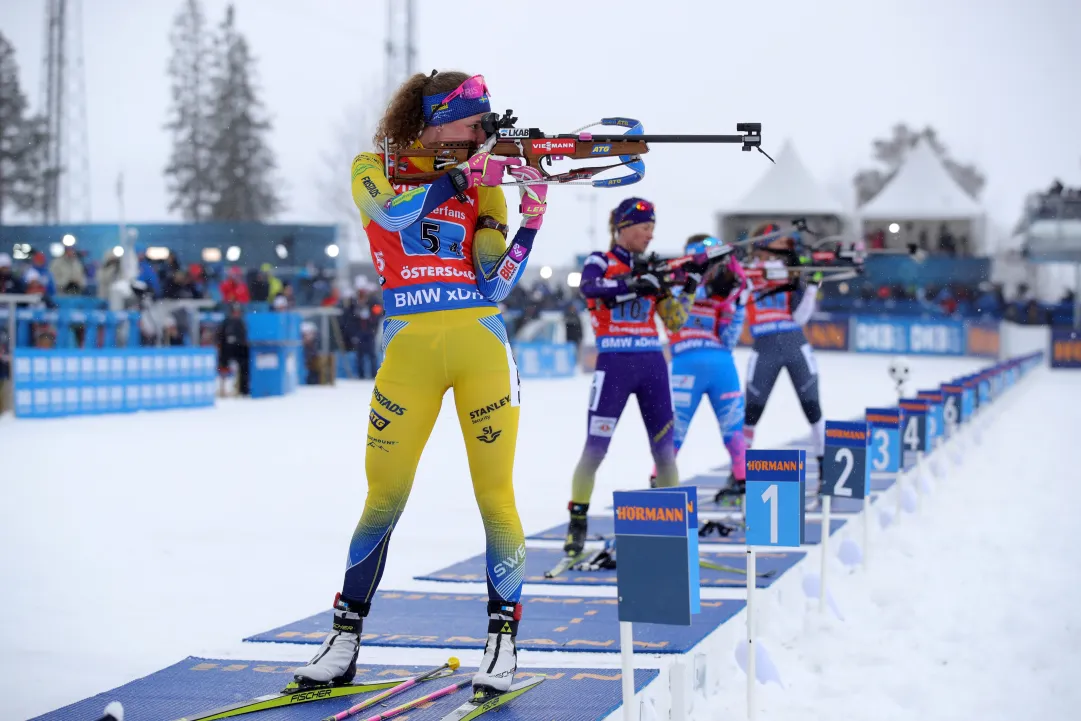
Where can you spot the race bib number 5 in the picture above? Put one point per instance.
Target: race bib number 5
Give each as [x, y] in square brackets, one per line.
[441, 238]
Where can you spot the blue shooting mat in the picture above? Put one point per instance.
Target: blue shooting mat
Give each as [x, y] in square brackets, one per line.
[549, 623]
[603, 527]
[539, 560]
[200, 684]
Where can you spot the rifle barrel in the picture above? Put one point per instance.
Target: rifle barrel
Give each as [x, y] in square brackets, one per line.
[669, 138]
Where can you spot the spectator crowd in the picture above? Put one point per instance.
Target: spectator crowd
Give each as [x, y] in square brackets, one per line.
[73, 280]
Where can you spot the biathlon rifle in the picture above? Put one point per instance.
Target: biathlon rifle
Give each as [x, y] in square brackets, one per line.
[673, 272]
[826, 259]
[830, 259]
[539, 149]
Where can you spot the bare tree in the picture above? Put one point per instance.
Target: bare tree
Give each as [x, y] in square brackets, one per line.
[353, 135]
[892, 151]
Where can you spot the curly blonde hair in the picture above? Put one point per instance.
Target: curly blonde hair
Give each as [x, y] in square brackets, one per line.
[403, 121]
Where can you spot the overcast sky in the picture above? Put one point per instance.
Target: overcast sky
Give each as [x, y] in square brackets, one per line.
[999, 79]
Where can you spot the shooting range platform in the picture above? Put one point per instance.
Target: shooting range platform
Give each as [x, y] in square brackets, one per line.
[549, 623]
[707, 508]
[539, 560]
[197, 685]
[603, 527]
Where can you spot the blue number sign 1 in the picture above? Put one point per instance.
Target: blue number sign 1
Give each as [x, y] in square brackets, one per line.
[885, 426]
[845, 473]
[776, 482]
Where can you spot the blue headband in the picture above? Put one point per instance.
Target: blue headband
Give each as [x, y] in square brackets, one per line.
[436, 112]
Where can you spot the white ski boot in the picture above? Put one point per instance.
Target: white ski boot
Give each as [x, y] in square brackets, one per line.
[336, 662]
[500, 662]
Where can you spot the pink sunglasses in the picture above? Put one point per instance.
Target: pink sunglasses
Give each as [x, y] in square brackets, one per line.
[473, 88]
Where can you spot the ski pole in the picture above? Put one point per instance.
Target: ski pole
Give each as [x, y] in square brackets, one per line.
[452, 663]
[446, 691]
[732, 569]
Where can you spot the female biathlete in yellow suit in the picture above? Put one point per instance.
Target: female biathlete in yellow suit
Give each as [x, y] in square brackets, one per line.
[443, 263]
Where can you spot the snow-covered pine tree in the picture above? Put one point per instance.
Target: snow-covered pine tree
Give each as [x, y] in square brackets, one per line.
[187, 175]
[22, 142]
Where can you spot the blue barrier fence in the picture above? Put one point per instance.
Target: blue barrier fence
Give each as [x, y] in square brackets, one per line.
[546, 360]
[52, 383]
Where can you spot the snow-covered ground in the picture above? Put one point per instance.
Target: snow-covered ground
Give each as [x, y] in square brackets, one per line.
[969, 609]
[130, 542]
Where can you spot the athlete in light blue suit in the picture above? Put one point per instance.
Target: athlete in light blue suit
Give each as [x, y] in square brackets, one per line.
[702, 363]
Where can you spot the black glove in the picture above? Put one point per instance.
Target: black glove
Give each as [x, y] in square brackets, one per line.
[645, 284]
[693, 280]
[721, 284]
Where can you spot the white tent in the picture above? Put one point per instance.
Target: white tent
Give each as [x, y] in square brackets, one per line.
[787, 189]
[922, 190]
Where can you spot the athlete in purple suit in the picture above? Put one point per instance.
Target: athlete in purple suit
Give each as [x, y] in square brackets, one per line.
[629, 356]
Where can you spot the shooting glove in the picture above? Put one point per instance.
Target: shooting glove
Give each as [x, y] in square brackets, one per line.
[691, 283]
[644, 285]
[485, 169]
[674, 311]
[533, 198]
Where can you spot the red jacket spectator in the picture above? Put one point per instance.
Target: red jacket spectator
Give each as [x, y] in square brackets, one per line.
[234, 289]
[332, 299]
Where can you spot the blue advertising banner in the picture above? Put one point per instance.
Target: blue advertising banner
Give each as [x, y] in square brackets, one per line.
[909, 336]
[52, 383]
